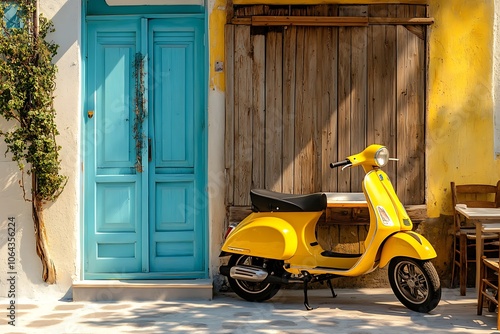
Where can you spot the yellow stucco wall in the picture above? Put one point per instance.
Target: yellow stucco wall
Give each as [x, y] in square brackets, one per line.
[460, 131]
[460, 103]
[217, 20]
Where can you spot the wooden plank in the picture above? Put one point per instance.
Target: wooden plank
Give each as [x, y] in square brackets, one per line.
[344, 103]
[243, 105]
[238, 213]
[352, 97]
[259, 10]
[259, 107]
[229, 128]
[300, 63]
[249, 10]
[319, 65]
[322, 10]
[419, 184]
[359, 96]
[298, 11]
[327, 54]
[401, 20]
[242, 20]
[331, 21]
[317, 21]
[390, 96]
[289, 58]
[306, 111]
[277, 10]
[405, 170]
[411, 111]
[382, 86]
[274, 107]
[417, 213]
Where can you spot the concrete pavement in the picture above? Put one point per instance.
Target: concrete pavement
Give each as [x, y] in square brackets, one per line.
[354, 311]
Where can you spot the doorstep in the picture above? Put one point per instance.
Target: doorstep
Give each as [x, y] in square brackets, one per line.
[142, 290]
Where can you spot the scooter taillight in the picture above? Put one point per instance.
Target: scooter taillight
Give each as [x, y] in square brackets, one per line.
[230, 229]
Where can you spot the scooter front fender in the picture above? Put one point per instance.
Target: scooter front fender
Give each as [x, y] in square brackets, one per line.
[268, 237]
[409, 244]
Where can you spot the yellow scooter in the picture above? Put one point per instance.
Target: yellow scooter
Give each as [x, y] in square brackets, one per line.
[276, 244]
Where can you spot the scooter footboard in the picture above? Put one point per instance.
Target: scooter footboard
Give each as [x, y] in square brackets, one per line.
[409, 244]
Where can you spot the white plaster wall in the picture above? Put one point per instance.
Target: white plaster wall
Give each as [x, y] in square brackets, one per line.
[62, 217]
[216, 172]
[216, 176]
[216, 128]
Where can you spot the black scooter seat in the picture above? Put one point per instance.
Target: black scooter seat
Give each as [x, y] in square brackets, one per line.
[271, 201]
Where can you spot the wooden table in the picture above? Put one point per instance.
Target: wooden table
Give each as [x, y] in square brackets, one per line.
[479, 216]
[346, 200]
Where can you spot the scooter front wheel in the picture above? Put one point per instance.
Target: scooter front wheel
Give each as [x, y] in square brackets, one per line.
[415, 283]
[254, 291]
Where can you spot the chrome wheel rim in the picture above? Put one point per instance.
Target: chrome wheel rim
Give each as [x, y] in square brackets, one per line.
[411, 282]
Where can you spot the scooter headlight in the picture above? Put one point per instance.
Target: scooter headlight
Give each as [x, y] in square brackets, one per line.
[382, 156]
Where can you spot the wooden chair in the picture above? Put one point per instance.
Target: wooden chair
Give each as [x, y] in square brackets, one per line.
[464, 243]
[488, 280]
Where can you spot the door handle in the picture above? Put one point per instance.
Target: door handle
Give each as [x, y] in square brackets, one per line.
[150, 150]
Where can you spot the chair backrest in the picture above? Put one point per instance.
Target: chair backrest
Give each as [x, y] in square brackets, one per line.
[474, 196]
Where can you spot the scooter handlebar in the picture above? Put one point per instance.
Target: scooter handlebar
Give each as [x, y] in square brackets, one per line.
[339, 163]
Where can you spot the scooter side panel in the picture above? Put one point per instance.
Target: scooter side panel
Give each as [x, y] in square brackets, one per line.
[408, 244]
[268, 237]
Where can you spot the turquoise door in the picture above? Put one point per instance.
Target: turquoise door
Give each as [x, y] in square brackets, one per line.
[145, 220]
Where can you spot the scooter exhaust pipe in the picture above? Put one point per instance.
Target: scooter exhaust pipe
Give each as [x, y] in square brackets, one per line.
[246, 273]
[254, 274]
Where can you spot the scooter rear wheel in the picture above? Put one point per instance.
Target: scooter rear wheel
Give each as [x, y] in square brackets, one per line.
[254, 291]
[415, 283]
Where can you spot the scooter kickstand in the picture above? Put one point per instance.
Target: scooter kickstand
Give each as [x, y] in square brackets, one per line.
[307, 278]
[329, 282]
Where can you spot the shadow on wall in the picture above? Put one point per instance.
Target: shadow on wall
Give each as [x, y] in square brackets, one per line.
[10, 176]
[439, 232]
[69, 15]
[17, 224]
[15, 218]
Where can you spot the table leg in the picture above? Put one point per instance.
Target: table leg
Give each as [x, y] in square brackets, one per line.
[479, 254]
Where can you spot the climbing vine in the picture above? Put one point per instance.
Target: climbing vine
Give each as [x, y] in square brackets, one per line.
[139, 109]
[27, 84]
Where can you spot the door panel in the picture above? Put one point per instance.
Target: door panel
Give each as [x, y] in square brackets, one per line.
[173, 68]
[174, 123]
[113, 233]
[148, 224]
[174, 238]
[114, 130]
[119, 207]
[111, 57]
[177, 124]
